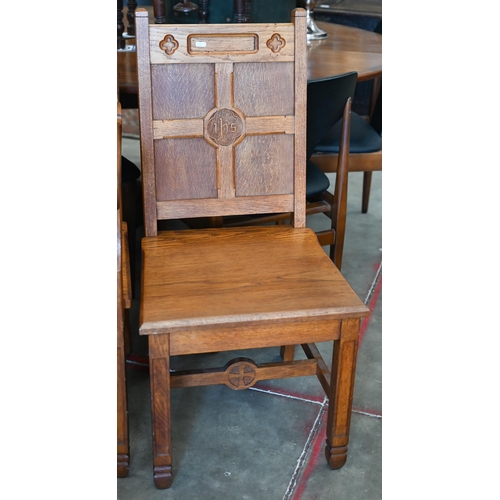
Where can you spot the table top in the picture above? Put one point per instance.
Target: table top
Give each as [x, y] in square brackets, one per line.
[346, 49]
[360, 7]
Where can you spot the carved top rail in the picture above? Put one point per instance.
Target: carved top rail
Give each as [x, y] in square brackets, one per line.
[221, 46]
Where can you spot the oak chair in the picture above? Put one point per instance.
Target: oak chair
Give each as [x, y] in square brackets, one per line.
[124, 302]
[223, 132]
[365, 142]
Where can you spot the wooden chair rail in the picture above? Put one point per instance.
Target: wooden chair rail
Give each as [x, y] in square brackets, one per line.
[317, 207]
[359, 162]
[322, 372]
[242, 373]
[127, 279]
[326, 237]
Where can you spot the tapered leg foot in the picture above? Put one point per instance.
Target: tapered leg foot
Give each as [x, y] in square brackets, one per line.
[341, 393]
[335, 456]
[159, 372]
[122, 465]
[163, 477]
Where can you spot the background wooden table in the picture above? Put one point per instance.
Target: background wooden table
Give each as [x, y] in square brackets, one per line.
[346, 49]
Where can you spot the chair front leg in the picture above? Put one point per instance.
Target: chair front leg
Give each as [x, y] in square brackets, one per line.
[159, 369]
[341, 392]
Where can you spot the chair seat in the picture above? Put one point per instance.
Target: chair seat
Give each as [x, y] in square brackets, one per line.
[130, 171]
[364, 138]
[317, 181]
[193, 281]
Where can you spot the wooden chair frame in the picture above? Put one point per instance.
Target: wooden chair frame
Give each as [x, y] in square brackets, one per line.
[124, 302]
[214, 290]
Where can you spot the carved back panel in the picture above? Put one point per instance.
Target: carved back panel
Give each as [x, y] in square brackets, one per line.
[222, 116]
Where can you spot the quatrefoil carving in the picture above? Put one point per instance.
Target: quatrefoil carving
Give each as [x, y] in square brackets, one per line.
[169, 44]
[276, 43]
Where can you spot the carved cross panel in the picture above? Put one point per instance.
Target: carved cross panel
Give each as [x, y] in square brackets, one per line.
[224, 127]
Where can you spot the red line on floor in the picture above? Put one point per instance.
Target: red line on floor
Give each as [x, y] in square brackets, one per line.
[317, 448]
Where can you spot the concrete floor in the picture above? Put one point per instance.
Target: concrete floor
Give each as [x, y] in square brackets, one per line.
[267, 443]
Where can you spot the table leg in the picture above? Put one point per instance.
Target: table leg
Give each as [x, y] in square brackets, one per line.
[159, 362]
[341, 392]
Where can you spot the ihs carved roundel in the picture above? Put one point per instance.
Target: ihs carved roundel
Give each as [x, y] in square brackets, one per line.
[169, 44]
[224, 127]
[276, 43]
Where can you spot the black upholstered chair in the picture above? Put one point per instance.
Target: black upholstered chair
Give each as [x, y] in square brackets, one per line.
[131, 205]
[365, 145]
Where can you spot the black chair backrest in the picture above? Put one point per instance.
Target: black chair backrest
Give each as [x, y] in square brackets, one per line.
[376, 119]
[326, 99]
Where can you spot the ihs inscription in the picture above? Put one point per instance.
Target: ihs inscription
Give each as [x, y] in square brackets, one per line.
[225, 127]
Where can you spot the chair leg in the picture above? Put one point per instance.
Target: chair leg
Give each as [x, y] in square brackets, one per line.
[127, 338]
[338, 226]
[339, 208]
[287, 352]
[337, 249]
[123, 452]
[341, 393]
[367, 182]
[159, 371]
[330, 199]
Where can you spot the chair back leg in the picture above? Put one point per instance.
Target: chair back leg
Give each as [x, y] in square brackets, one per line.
[339, 210]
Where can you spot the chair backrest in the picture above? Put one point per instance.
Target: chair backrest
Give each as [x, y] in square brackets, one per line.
[326, 100]
[222, 119]
[376, 114]
[376, 118]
